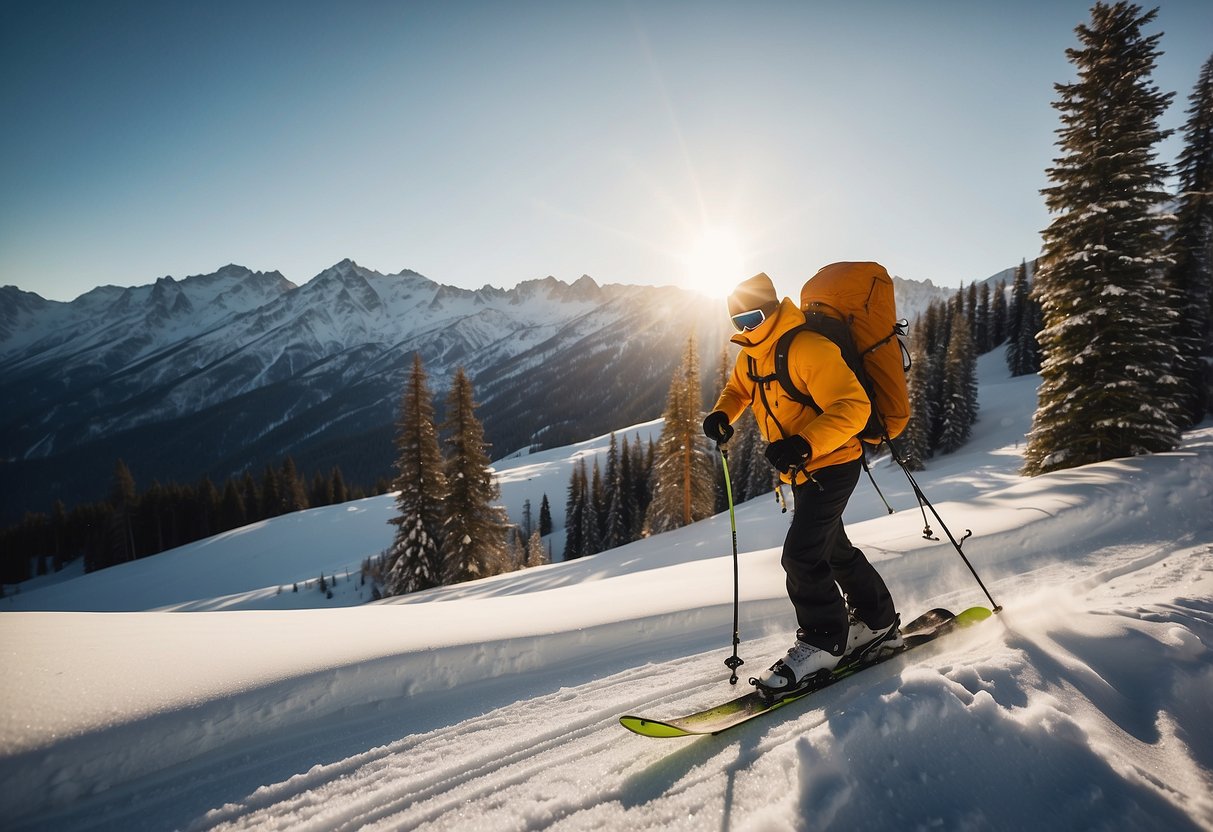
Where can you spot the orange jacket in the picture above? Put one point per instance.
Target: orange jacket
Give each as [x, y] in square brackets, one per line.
[816, 367]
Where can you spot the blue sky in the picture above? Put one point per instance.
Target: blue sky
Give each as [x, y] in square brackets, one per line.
[488, 143]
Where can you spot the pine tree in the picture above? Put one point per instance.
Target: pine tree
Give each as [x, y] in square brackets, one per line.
[320, 492]
[474, 528]
[591, 526]
[252, 498]
[642, 483]
[536, 552]
[415, 557]
[59, 530]
[684, 471]
[998, 314]
[271, 493]
[1023, 326]
[1191, 276]
[545, 517]
[914, 445]
[231, 511]
[528, 521]
[628, 507]
[574, 508]
[615, 522]
[1107, 386]
[752, 475]
[969, 310]
[515, 549]
[598, 497]
[959, 402]
[208, 502]
[125, 503]
[724, 370]
[339, 491]
[935, 346]
[294, 495]
[984, 340]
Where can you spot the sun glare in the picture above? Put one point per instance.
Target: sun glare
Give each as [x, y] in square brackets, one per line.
[715, 262]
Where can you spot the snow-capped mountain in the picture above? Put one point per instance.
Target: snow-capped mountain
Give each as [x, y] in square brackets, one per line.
[219, 373]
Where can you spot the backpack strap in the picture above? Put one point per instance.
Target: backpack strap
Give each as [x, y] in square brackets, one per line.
[782, 347]
[837, 332]
[761, 383]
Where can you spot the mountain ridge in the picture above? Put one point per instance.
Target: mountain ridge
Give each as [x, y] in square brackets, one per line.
[217, 374]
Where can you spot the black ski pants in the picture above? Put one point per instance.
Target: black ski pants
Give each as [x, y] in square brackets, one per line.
[819, 559]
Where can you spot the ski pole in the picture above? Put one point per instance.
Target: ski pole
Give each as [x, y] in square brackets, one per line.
[957, 545]
[732, 662]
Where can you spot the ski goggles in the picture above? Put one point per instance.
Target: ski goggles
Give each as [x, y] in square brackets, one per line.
[749, 320]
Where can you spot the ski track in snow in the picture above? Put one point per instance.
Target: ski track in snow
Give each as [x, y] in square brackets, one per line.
[1036, 701]
[560, 761]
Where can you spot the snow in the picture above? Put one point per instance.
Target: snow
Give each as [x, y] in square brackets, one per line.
[1087, 703]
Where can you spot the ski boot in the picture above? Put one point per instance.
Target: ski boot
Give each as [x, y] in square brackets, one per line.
[803, 667]
[866, 645]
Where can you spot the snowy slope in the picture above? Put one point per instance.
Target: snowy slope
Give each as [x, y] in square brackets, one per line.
[1085, 704]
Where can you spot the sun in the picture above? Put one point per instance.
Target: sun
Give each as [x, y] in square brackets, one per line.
[715, 261]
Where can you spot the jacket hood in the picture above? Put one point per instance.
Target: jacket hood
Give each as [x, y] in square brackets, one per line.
[763, 338]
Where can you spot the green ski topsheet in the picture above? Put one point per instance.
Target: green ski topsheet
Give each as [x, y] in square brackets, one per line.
[921, 630]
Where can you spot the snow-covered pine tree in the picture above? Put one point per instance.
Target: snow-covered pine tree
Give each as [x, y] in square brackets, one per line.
[959, 402]
[615, 522]
[684, 481]
[1191, 275]
[626, 492]
[1108, 387]
[414, 561]
[1025, 322]
[536, 552]
[998, 314]
[515, 549]
[473, 526]
[984, 337]
[935, 332]
[591, 518]
[914, 443]
[574, 508]
[969, 309]
[598, 494]
[752, 474]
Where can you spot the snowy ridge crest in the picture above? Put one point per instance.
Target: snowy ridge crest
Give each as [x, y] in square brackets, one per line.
[233, 370]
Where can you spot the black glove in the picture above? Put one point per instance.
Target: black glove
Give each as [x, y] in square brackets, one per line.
[790, 453]
[717, 428]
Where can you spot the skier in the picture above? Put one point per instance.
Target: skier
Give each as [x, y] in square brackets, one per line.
[818, 454]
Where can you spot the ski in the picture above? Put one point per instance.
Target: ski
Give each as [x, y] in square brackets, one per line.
[922, 630]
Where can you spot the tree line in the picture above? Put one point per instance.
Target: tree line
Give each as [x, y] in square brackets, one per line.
[132, 524]
[666, 484]
[944, 345]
